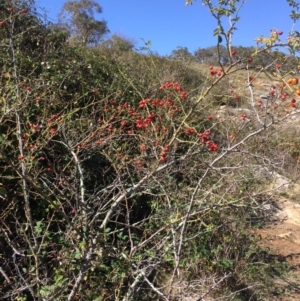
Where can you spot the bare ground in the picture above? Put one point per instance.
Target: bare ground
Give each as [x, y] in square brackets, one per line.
[282, 238]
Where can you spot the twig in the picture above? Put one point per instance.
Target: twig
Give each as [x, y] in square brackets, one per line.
[4, 275]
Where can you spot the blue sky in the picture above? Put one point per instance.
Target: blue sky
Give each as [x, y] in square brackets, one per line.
[170, 23]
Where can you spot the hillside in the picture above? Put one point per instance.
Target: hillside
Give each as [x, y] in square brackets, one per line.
[129, 176]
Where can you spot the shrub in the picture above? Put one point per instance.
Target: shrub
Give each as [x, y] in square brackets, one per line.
[119, 171]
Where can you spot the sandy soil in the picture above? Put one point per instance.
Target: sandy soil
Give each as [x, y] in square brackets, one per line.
[282, 238]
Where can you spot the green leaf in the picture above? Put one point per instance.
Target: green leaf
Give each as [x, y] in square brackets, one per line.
[77, 254]
[107, 230]
[216, 31]
[58, 278]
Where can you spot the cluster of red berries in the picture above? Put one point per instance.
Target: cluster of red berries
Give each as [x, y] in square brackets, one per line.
[148, 115]
[293, 103]
[212, 146]
[158, 103]
[215, 72]
[243, 116]
[34, 127]
[141, 117]
[190, 131]
[175, 87]
[143, 123]
[24, 137]
[205, 139]
[163, 155]
[281, 94]
[171, 85]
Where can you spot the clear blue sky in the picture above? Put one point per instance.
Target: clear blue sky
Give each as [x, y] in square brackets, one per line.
[170, 23]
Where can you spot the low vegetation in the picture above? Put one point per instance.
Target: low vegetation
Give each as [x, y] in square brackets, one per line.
[129, 176]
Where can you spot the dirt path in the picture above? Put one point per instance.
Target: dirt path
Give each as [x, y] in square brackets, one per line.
[282, 238]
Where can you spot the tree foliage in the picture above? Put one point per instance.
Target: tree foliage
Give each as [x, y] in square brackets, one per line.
[119, 43]
[80, 20]
[183, 54]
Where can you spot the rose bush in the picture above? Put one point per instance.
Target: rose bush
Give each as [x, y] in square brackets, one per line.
[124, 180]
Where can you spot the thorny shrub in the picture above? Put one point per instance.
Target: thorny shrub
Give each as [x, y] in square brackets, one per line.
[122, 180]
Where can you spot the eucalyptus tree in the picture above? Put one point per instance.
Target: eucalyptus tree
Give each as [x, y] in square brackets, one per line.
[79, 18]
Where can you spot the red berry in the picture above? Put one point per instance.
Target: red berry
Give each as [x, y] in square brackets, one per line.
[35, 127]
[123, 123]
[243, 116]
[182, 95]
[163, 158]
[213, 146]
[52, 131]
[190, 131]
